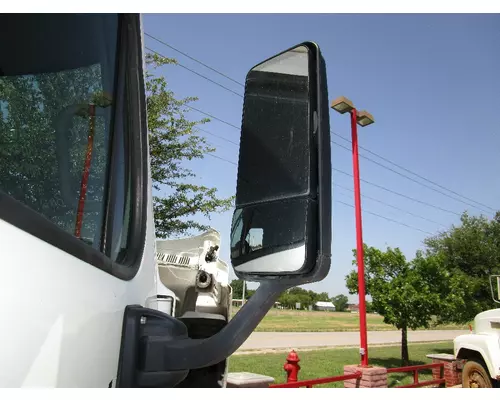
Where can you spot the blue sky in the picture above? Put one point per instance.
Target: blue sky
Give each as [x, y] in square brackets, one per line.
[431, 82]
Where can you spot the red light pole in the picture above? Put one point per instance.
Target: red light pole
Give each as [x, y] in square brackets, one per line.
[363, 118]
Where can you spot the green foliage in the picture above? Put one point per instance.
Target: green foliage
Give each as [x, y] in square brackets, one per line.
[173, 141]
[306, 298]
[466, 255]
[340, 302]
[237, 286]
[405, 293]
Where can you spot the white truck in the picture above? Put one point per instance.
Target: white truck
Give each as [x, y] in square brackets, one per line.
[86, 284]
[193, 286]
[479, 351]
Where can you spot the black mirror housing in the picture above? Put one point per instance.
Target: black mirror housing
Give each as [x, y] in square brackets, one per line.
[281, 226]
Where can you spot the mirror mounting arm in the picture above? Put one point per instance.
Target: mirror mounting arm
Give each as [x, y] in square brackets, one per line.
[164, 353]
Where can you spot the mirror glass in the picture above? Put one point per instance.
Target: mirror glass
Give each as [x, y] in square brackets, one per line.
[275, 173]
[274, 151]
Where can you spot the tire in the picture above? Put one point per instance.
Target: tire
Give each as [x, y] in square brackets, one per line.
[475, 375]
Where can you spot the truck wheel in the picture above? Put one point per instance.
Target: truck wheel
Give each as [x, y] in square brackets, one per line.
[474, 375]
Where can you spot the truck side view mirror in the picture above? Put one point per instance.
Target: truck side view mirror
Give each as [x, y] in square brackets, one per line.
[282, 222]
[281, 229]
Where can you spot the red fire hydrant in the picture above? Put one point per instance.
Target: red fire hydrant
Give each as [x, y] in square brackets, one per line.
[292, 367]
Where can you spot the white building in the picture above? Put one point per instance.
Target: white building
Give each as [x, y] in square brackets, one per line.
[324, 306]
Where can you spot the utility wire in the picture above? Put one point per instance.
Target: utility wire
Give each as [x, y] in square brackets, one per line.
[411, 179]
[408, 197]
[336, 134]
[218, 136]
[211, 116]
[390, 205]
[388, 219]
[222, 159]
[335, 184]
[413, 173]
[397, 193]
[369, 212]
[197, 73]
[346, 173]
[339, 201]
[192, 58]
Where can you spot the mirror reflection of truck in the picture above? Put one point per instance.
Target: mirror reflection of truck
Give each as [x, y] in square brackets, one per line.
[478, 353]
[96, 271]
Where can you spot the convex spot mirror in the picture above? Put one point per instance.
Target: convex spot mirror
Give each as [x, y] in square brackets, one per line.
[281, 226]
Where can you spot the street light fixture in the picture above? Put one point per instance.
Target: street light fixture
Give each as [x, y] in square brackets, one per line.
[342, 105]
[362, 118]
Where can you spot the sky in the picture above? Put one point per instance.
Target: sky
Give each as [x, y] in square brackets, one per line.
[430, 81]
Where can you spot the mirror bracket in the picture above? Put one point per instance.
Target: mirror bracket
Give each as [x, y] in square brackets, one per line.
[157, 353]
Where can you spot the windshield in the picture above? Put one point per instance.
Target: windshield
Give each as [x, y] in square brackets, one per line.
[57, 77]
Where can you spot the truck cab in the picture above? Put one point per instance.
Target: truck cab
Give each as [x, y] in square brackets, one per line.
[479, 351]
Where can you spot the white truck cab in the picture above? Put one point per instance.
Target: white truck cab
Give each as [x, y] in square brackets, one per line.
[89, 296]
[479, 351]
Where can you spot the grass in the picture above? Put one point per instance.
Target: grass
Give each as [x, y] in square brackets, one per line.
[323, 363]
[322, 321]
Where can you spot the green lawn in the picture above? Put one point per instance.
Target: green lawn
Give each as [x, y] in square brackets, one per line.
[321, 321]
[323, 363]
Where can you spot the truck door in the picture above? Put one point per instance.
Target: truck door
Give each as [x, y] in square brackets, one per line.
[76, 226]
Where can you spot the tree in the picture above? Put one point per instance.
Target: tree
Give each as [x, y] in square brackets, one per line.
[340, 302]
[323, 296]
[173, 140]
[289, 298]
[469, 253]
[403, 292]
[237, 285]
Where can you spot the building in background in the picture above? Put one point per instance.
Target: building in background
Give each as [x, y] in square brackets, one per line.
[324, 306]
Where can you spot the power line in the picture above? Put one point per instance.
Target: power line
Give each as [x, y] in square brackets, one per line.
[222, 159]
[397, 193]
[197, 73]
[413, 173]
[192, 58]
[346, 173]
[218, 136]
[409, 178]
[335, 184]
[390, 205]
[369, 151]
[211, 116]
[369, 212]
[388, 219]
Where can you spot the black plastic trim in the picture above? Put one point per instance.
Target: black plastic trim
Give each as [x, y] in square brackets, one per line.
[141, 325]
[175, 351]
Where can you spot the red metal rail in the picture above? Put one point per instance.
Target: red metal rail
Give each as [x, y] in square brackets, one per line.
[415, 368]
[320, 381]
